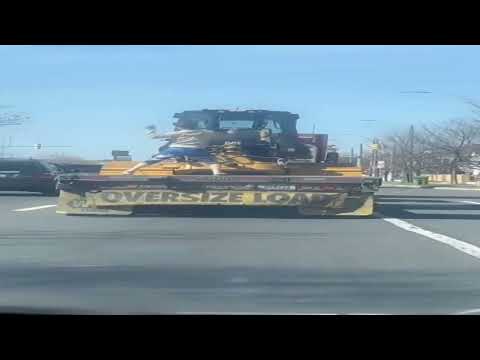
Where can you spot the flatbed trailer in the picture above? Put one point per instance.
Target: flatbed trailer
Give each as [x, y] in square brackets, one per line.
[312, 195]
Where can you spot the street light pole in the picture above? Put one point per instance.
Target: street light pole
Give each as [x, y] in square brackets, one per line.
[360, 155]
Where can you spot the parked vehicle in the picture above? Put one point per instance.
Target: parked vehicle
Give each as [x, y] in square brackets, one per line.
[28, 175]
[78, 168]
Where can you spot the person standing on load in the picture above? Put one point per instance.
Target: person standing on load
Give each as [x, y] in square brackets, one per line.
[187, 142]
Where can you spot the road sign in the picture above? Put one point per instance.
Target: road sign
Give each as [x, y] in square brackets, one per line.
[381, 164]
[120, 153]
[373, 146]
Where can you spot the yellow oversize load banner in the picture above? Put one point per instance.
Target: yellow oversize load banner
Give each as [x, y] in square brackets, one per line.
[164, 197]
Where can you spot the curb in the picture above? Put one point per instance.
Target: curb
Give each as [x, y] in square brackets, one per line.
[429, 187]
[408, 186]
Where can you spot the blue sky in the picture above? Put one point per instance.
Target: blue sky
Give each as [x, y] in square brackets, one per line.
[99, 98]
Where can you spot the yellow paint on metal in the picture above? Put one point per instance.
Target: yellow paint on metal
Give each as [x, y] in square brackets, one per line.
[336, 204]
[361, 206]
[249, 198]
[245, 166]
[76, 204]
[364, 210]
[114, 198]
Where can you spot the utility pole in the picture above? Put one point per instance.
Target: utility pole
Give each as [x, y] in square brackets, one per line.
[36, 147]
[9, 119]
[392, 159]
[373, 156]
[410, 165]
[360, 157]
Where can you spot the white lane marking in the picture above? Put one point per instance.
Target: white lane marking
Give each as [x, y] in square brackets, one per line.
[467, 312]
[447, 188]
[470, 202]
[239, 280]
[269, 313]
[462, 246]
[35, 208]
[84, 266]
[247, 313]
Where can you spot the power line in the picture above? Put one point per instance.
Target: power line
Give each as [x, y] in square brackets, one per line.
[416, 92]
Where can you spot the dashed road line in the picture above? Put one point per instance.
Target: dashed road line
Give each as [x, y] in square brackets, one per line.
[270, 313]
[468, 312]
[459, 245]
[247, 313]
[34, 208]
[452, 188]
[470, 202]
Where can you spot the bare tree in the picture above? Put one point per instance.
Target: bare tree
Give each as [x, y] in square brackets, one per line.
[407, 152]
[475, 108]
[453, 140]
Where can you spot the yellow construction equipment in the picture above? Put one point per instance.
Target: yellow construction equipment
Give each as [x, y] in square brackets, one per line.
[287, 173]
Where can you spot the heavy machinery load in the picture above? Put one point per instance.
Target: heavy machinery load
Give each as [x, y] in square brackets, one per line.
[263, 161]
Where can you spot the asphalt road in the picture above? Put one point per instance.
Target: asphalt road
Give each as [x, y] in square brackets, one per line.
[245, 262]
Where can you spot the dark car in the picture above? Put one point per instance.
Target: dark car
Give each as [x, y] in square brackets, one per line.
[71, 168]
[28, 175]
